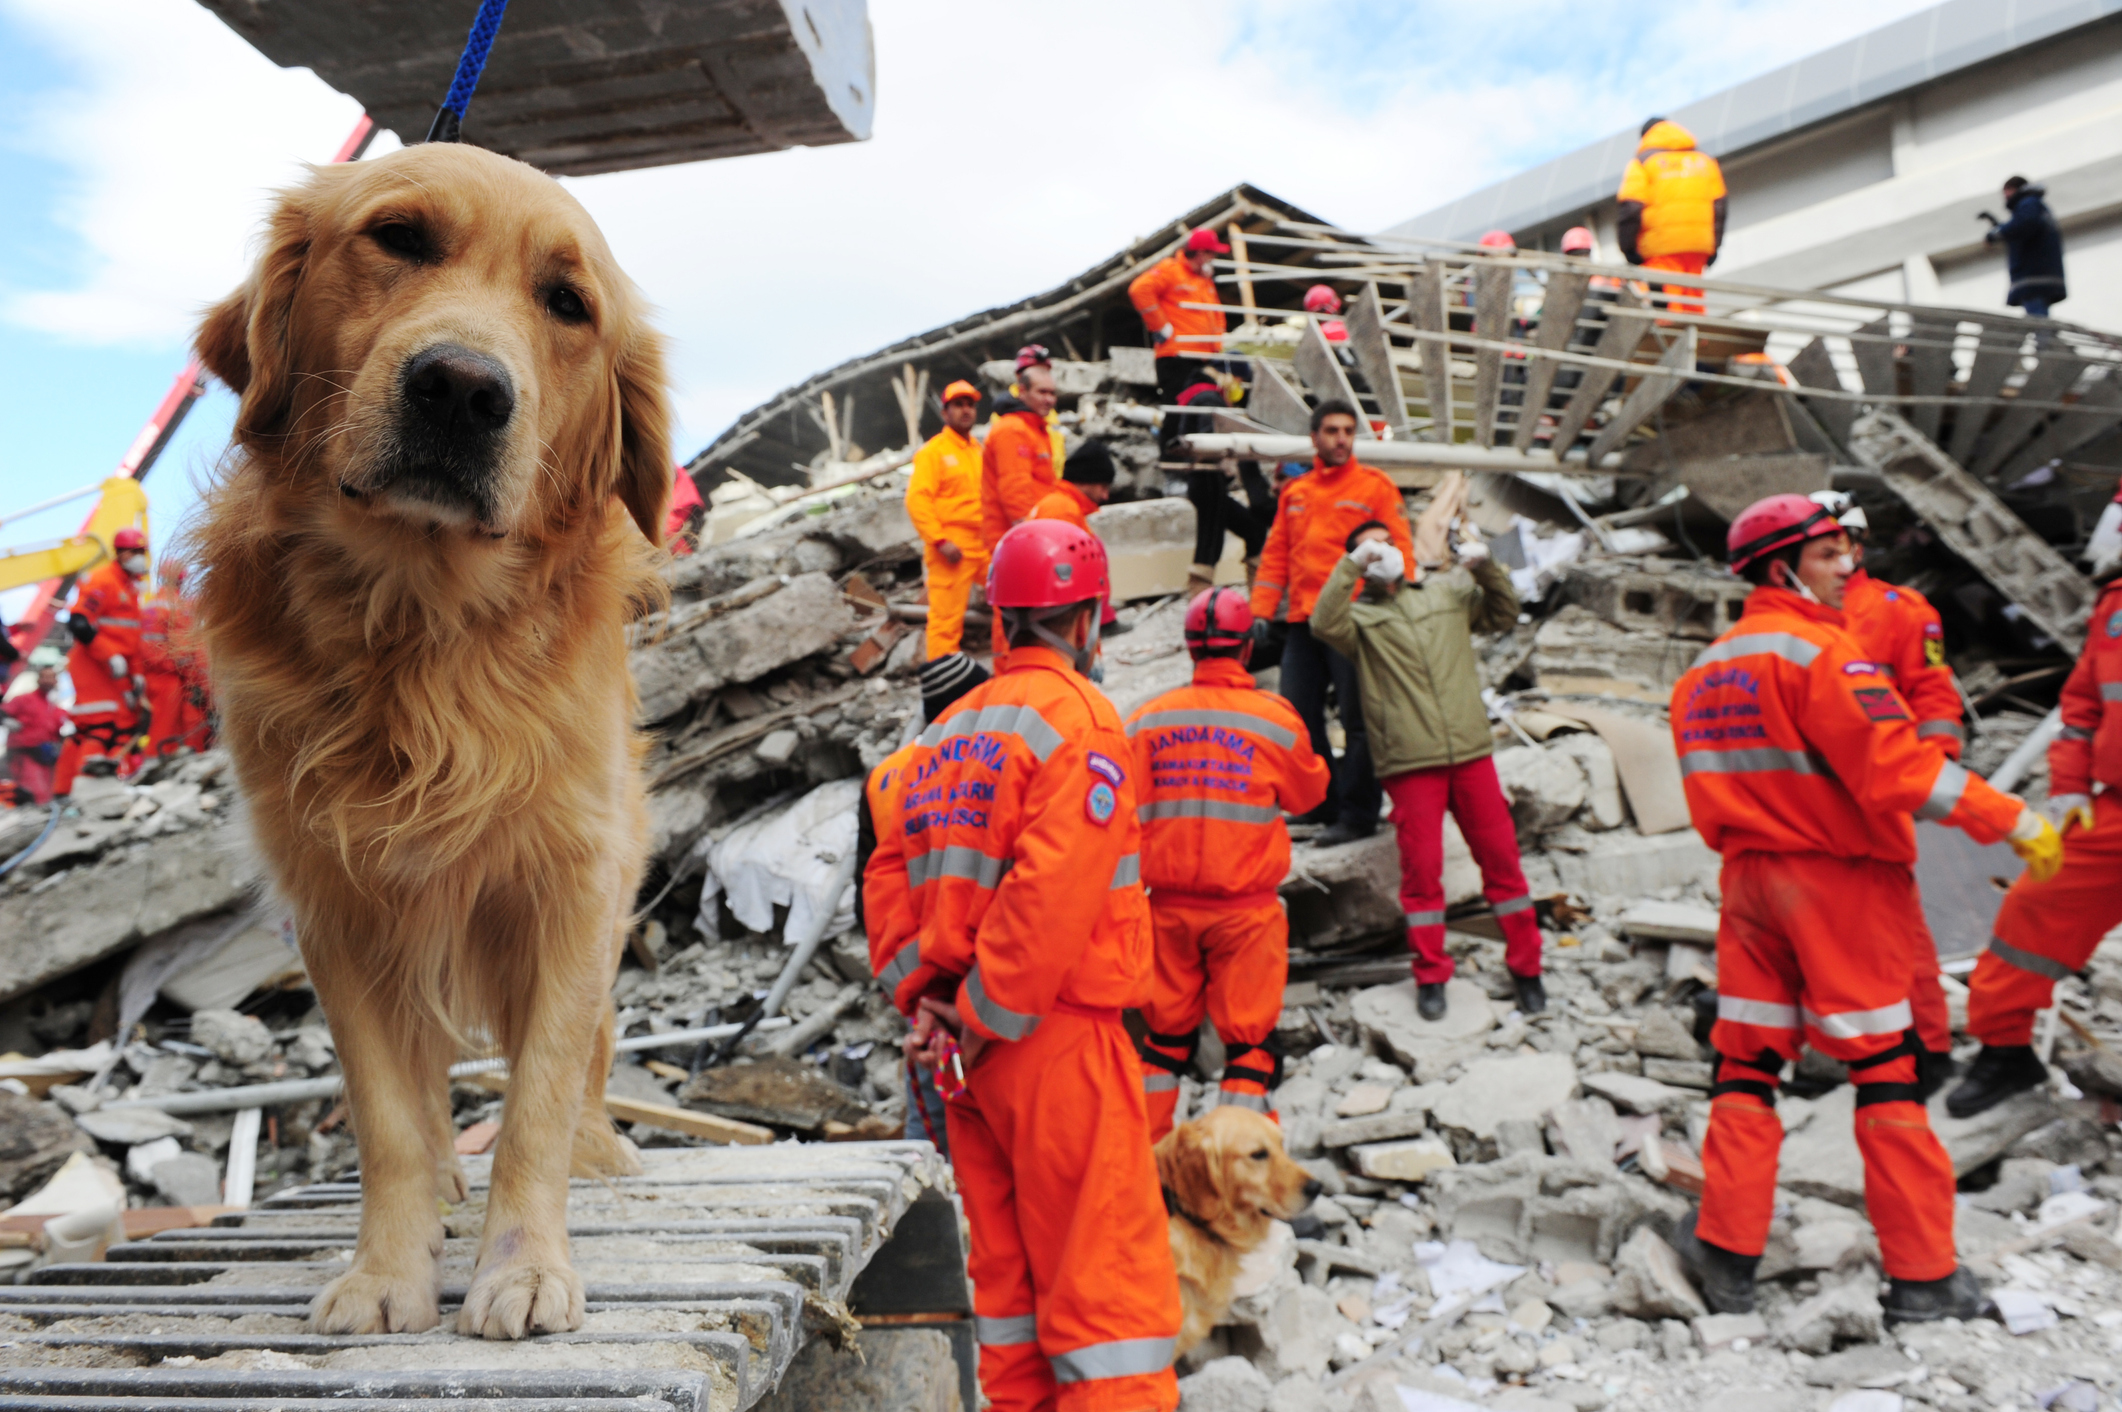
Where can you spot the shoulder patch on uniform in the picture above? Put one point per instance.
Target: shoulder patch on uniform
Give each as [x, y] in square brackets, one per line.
[1880, 703]
[1937, 630]
[1933, 651]
[1860, 669]
[1104, 765]
[1100, 804]
[2114, 623]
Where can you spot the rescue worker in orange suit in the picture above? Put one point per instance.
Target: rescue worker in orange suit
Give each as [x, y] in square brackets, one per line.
[109, 684]
[1313, 519]
[1022, 858]
[1217, 764]
[943, 501]
[1086, 485]
[1180, 337]
[1672, 208]
[1803, 768]
[882, 908]
[2048, 927]
[176, 687]
[1902, 635]
[1018, 467]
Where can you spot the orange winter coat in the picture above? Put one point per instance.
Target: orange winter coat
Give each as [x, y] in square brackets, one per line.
[2090, 748]
[1159, 294]
[887, 909]
[1792, 741]
[1310, 534]
[1902, 633]
[111, 601]
[1678, 188]
[1066, 502]
[1023, 853]
[1017, 470]
[1218, 763]
[943, 494]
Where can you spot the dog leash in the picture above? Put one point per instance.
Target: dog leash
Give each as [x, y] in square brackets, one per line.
[449, 118]
[1172, 1207]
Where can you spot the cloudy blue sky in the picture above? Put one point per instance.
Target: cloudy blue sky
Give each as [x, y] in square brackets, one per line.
[1015, 144]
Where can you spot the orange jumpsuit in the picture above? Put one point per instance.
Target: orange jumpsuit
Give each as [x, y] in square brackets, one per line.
[1160, 294]
[175, 686]
[1309, 538]
[943, 501]
[1219, 762]
[2047, 931]
[1802, 767]
[1677, 191]
[1901, 633]
[1017, 470]
[1022, 856]
[103, 718]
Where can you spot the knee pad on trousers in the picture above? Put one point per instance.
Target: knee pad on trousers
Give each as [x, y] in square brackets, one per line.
[1187, 1043]
[1760, 1076]
[1899, 1086]
[1269, 1078]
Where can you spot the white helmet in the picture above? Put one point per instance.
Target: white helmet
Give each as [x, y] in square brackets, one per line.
[1844, 507]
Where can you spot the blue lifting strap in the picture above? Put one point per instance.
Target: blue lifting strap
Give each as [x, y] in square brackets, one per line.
[449, 118]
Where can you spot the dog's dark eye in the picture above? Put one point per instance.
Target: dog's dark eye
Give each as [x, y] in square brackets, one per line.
[566, 305]
[402, 239]
[1260, 1156]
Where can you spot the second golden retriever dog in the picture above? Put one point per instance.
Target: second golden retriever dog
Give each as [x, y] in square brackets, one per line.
[1227, 1180]
[451, 464]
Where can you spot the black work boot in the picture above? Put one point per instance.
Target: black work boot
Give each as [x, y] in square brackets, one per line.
[1933, 1068]
[1532, 996]
[1342, 831]
[1958, 1296]
[1998, 1072]
[1429, 1000]
[1725, 1277]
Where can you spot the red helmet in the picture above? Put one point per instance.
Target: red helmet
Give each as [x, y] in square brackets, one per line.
[1033, 355]
[128, 539]
[1204, 238]
[1577, 240]
[1498, 240]
[1219, 623]
[1046, 564]
[1321, 299]
[1777, 523]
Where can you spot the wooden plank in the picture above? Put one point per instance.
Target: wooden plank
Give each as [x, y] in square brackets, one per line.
[1651, 393]
[685, 1120]
[1930, 370]
[1374, 356]
[1625, 328]
[1321, 372]
[1558, 320]
[1996, 358]
[1272, 402]
[1815, 367]
[1492, 324]
[2053, 376]
[1425, 297]
[2099, 411]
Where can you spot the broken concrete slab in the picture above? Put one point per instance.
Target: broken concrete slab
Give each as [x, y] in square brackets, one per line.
[1410, 1161]
[1649, 1282]
[1584, 1128]
[1521, 1086]
[1659, 1033]
[701, 655]
[1844, 1314]
[1544, 787]
[1671, 921]
[1149, 546]
[779, 1092]
[1625, 864]
[1820, 1159]
[1387, 1017]
[1715, 1331]
[1338, 896]
[234, 1038]
[35, 1141]
[1604, 808]
[1632, 1093]
[1380, 1127]
[126, 1127]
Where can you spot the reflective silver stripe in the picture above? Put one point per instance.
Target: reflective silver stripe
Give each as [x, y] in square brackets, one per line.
[1761, 759]
[1159, 1082]
[1951, 728]
[1007, 1329]
[1004, 1022]
[154, 637]
[2027, 961]
[901, 965]
[2075, 733]
[956, 861]
[1023, 722]
[87, 708]
[117, 622]
[1236, 1098]
[1425, 919]
[1945, 792]
[1767, 1014]
[1208, 809]
[1511, 904]
[2111, 691]
[1125, 1358]
[1127, 872]
[1855, 1024]
[1227, 720]
[1789, 646]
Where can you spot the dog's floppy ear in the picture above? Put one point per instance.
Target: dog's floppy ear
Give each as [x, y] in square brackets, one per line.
[1189, 1168]
[244, 340]
[642, 450]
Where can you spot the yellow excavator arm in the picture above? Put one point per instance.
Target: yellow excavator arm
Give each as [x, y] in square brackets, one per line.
[123, 504]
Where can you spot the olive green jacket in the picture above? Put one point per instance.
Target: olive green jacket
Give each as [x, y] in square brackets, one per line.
[1414, 656]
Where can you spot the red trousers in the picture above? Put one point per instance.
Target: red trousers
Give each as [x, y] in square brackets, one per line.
[1680, 298]
[1227, 958]
[1475, 797]
[105, 733]
[1926, 997]
[1819, 947]
[176, 721]
[1075, 1296]
[2047, 931]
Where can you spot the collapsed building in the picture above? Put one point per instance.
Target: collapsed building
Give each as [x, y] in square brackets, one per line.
[1498, 1186]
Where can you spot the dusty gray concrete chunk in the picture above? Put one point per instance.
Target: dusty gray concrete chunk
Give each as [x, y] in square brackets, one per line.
[1340, 895]
[1632, 1093]
[1363, 1100]
[1387, 1017]
[1584, 1128]
[897, 1369]
[1583, 1299]
[1409, 1161]
[1826, 1245]
[1226, 1385]
[234, 1037]
[1298, 1334]
[1867, 1365]
[1300, 1394]
[1820, 1159]
[1660, 1033]
[1380, 1127]
[1715, 1331]
[1671, 921]
[1680, 1073]
[1544, 787]
[35, 1141]
[778, 748]
[188, 1179]
[806, 616]
[1649, 1282]
[1516, 1135]
[1604, 807]
[1628, 864]
[124, 1127]
[1519, 1086]
[1848, 1313]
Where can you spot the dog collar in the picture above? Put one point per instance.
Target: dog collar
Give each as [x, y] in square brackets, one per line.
[1173, 1208]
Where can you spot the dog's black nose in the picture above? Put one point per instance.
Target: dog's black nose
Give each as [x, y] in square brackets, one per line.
[1312, 1188]
[458, 392]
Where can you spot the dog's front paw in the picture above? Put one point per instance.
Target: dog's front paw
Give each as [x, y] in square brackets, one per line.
[363, 1302]
[526, 1294]
[451, 1182]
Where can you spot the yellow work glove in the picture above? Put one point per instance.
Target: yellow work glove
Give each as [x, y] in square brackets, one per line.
[2071, 810]
[2038, 845]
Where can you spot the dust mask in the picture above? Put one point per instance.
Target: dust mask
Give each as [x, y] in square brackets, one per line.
[134, 564]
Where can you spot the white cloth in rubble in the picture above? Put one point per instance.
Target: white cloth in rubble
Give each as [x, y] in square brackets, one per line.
[802, 858]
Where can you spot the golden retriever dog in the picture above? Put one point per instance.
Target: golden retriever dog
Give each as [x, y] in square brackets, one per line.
[450, 470]
[1226, 1179]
